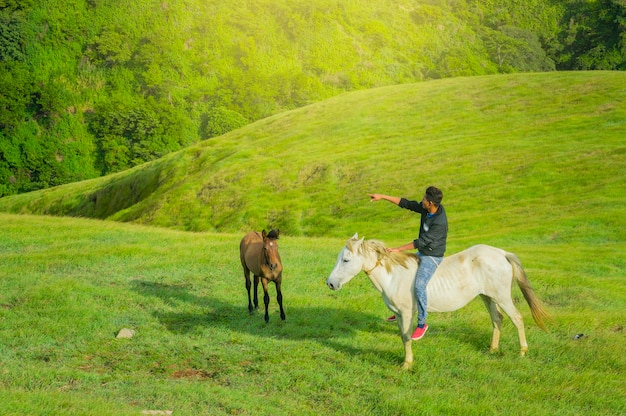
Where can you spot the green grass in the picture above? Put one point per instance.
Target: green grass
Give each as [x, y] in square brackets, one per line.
[67, 286]
[532, 163]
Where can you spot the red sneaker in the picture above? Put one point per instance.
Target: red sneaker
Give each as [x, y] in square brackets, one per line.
[392, 318]
[419, 333]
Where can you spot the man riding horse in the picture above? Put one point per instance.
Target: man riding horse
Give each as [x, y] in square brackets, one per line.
[430, 243]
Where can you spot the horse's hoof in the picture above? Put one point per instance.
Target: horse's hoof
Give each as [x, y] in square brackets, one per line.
[407, 365]
[282, 316]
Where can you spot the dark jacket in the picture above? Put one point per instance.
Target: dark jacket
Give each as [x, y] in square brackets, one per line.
[433, 229]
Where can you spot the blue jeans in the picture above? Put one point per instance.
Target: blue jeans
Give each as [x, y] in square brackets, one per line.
[428, 266]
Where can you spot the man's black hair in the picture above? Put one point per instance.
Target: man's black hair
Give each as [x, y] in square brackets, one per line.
[434, 195]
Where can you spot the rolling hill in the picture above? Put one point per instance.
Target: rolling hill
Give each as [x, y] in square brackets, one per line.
[541, 155]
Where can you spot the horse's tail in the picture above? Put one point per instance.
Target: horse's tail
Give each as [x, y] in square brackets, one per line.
[536, 308]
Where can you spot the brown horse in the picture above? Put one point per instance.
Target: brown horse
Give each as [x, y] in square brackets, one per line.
[259, 255]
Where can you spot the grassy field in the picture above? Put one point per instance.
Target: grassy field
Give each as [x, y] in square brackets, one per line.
[531, 163]
[67, 286]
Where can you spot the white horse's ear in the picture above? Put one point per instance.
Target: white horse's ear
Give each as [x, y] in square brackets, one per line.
[355, 236]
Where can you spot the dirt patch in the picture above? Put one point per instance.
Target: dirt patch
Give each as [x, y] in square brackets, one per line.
[193, 373]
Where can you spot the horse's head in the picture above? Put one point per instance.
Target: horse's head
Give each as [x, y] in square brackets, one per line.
[270, 249]
[349, 264]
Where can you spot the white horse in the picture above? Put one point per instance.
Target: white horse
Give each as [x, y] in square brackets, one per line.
[479, 270]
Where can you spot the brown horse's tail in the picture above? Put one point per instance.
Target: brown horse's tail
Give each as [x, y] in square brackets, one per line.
[536, 308]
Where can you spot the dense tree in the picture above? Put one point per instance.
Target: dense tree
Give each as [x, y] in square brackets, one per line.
[220, 120]
[516, 32]
[15, 5]
[130, 134]
[90, 87]
[12, 38]
[593, 35]
[514, 49]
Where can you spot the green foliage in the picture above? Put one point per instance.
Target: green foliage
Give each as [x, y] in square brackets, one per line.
[220, 120]
[515, 49]
[15, 5]
[112, 47]
[128, 135]
[11, 38]
[593, 35]
[212, 66]
[43, 143]
[517, 33]
[16, 86]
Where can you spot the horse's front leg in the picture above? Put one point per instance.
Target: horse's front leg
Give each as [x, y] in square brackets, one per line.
[246, 274]
[279, 297]
[266, 299]
[404, 323]
[256, 290]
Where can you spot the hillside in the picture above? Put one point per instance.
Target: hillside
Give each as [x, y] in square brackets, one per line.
[91, 87]
[552, 140]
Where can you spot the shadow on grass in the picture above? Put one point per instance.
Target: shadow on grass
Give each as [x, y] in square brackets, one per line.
[477, 337]
[329, 326]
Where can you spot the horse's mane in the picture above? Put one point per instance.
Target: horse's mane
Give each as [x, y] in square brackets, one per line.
[388, 259]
